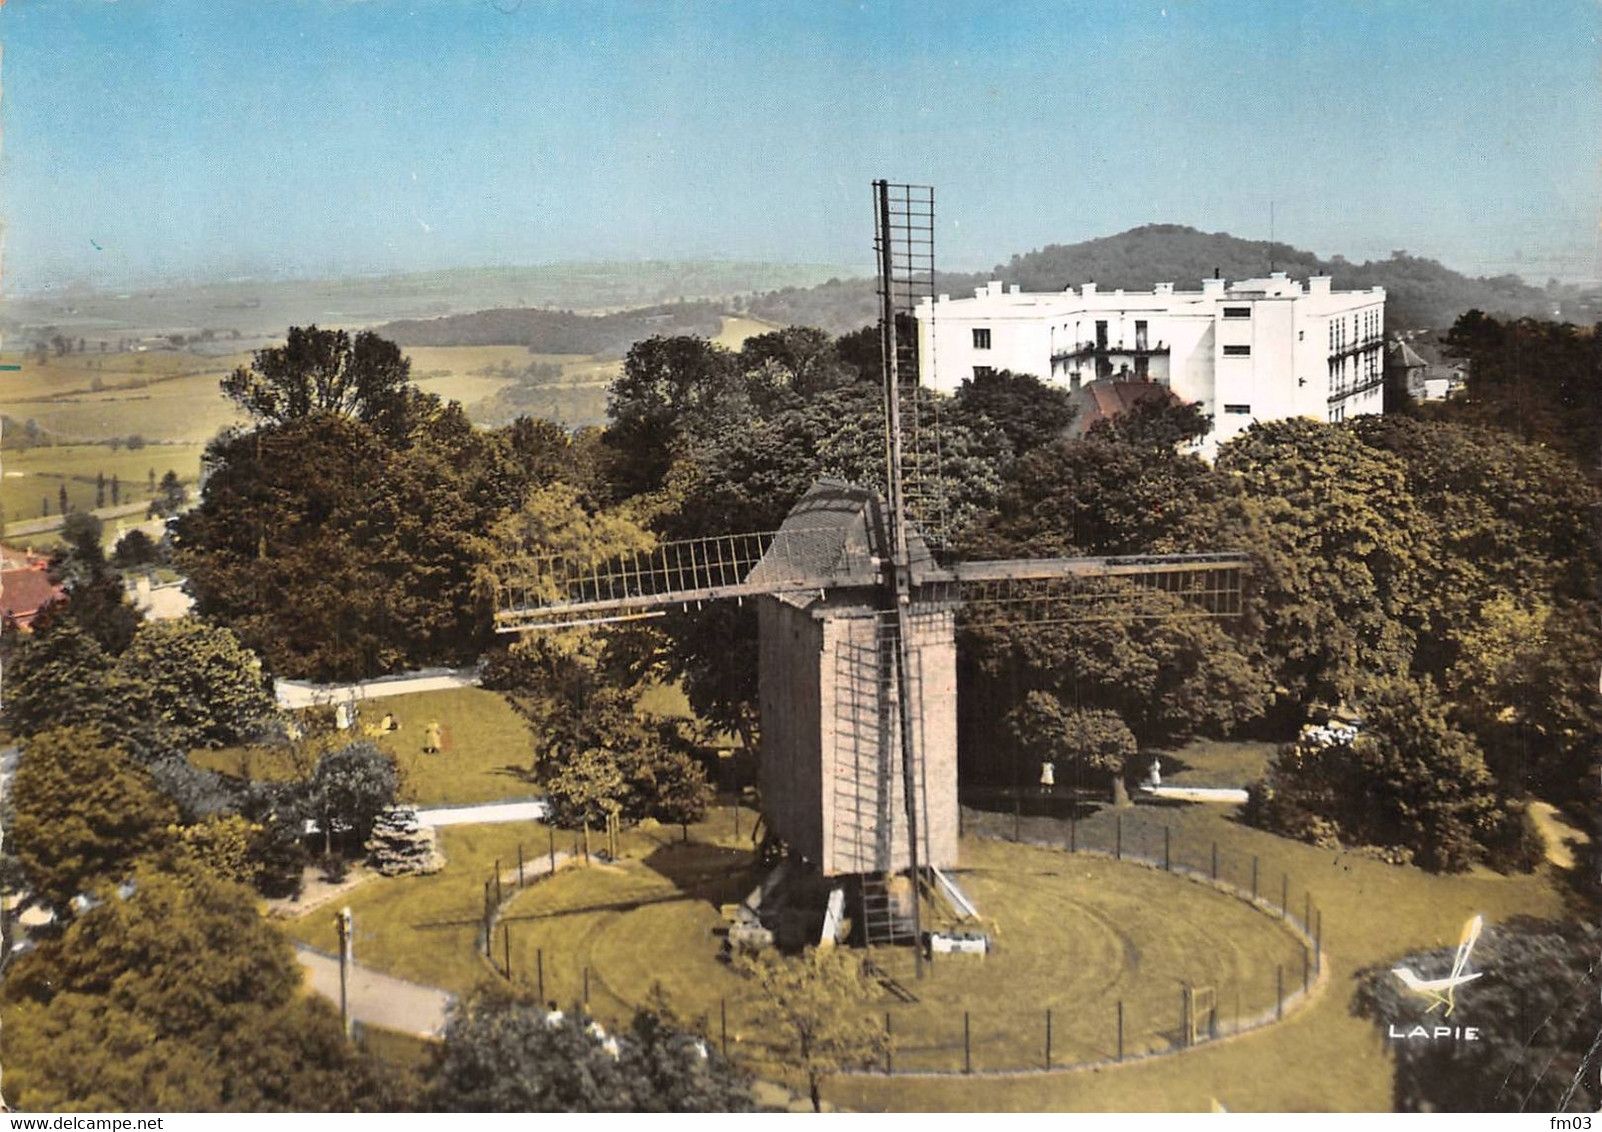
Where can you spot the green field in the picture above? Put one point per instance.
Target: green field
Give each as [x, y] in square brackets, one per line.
[1076, 935]
[1321, 1058]
[486, 748]
[34, 476]
[426, 928]
[160, 395]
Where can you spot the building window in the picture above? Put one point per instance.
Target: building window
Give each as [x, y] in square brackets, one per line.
[1237, 351]
[1239, 410]
[1142, 367]
[1140, 334]
[983, 371]
[1237, 312]
[1101, 334]
[981, 338]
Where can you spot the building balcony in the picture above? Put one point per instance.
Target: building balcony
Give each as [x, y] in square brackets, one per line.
[1364, 386]
[1354, 348]
[1107, 350]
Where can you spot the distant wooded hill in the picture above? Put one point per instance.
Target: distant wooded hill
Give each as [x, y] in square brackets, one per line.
[1420, 293]
[557, 332]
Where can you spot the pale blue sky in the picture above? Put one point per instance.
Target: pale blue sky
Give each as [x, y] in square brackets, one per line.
[174, 139]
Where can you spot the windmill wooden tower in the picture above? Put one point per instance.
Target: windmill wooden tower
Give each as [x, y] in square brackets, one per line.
[858, 617]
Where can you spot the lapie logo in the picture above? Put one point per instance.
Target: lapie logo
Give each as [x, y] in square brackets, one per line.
[1442, 993]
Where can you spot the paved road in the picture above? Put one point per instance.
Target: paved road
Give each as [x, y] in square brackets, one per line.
[493, 813]
[300, 694]
[376, 999]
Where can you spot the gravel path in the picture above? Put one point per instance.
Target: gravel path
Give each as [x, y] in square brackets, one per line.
[376, 999]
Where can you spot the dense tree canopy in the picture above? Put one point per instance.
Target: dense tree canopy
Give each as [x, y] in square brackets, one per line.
[349, 788]
[82, 812]
[1342, 554]
[325, 371]
[1407, 779]
[184, 683]
[503, 1054]
[1537, 380]
[176, 995]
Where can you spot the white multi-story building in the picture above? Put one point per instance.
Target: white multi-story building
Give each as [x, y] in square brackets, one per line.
[1256, 350]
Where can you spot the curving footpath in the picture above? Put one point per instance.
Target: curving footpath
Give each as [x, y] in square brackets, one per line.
[377, 999]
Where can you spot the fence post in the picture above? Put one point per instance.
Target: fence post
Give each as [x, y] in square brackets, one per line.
[736, 809]
[551, 830]
[539, 969]
[1166, 858]
[723, 1016]
[506, 948]
[519, 864]
[1073, 827]
[967, 1045]
[1279, 991]
[1119, 850]
[1215, 860]
[1120, 1029]
[489, 912]
[1307, 914]
[1048, 1037]
[1318, 944]
[1254, 880]
[1184, 1016]
[889, 1046]
[1307, 962]
[497, 882]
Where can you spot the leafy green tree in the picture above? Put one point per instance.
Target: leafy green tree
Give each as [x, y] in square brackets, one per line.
[1534, 379]
[95, 599]
[1093, 739]
[350, 788]
[797, 360]
[1522, 684]
[174, 994]
[317, 371]
[504, 1054]
[187, 683]
[1340, 550]
[602, 756]
[1168, 677]
[82, 812]
[811, 1009]
[54, 677]
[335, 555]
[669, 388]
[173, 495]
[1028, 411]
[1408, 779]
[1156, 422]
[1536, 1006]
[135, 549]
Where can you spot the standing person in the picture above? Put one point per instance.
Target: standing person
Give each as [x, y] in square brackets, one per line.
[431, 738]
[1048, 777]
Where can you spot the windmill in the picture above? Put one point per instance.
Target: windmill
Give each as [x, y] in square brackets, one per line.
[858, 618]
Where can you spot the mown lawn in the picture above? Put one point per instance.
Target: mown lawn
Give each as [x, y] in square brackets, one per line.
[427, 928]
[1318, 1059]
[1077, 936]
[34, 476]
[484, 758]
[486, 753]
